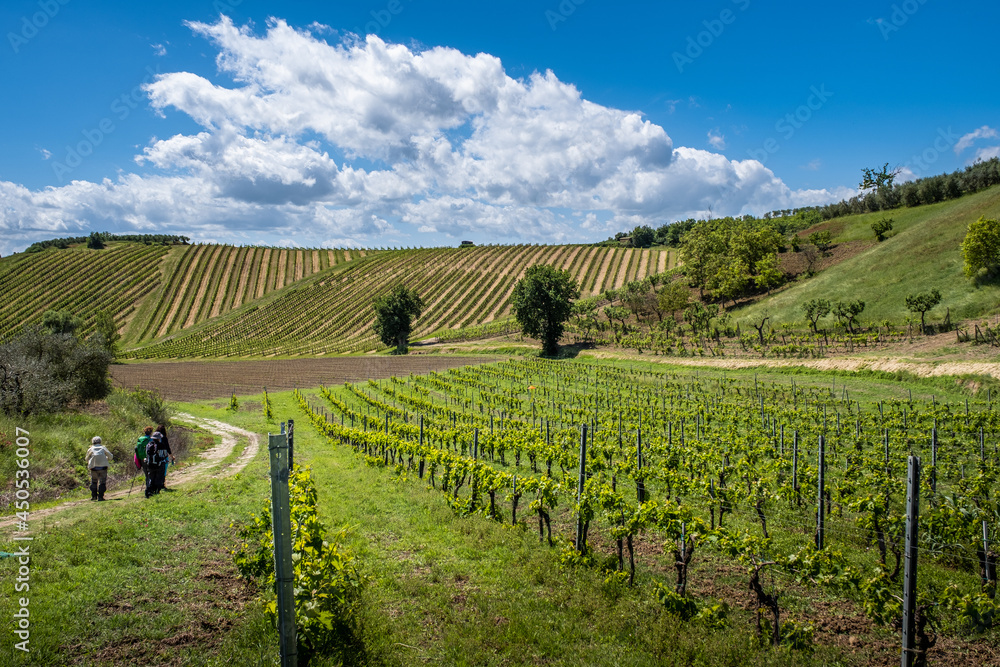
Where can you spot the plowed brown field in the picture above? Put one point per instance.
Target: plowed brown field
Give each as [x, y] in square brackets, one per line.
[197, 380]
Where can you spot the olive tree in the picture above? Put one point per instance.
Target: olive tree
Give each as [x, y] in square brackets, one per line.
[394, 315]
[848, 311]
[61, 322]
[882, 228]
[816, 309]
[542, 302]
[921, 303]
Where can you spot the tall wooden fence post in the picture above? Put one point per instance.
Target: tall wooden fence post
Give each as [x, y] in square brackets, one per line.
[282, 529]
[640, 486]
[580, 542]
[821, 508]
[910, 568]
[795, 466]
[421, 472]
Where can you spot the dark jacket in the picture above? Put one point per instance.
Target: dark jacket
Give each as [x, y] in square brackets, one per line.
[164, 443]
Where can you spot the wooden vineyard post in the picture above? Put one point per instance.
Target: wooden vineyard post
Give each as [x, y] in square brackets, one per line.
[475, 443]
[284, 578]
[934, 445]
[421, 470]
[514, 498]
[820, 510]
[910, 568]
[580, 545]
[291, 443]
[795, 466]
[989, 563]
[640, 486]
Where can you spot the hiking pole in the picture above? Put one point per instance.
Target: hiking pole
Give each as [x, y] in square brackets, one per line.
[133, 483]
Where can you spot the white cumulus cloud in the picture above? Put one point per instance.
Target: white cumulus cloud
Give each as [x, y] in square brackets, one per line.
[984, 132]
[360, 139]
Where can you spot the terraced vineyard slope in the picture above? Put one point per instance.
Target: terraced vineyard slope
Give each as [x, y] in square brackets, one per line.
[204, 281]
[331, 311]
[78, 280]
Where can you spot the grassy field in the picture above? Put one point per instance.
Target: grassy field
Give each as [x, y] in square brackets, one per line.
[923, 254]
[152, 582]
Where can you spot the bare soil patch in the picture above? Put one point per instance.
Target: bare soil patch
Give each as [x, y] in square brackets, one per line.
[795, 263]
[197, 380]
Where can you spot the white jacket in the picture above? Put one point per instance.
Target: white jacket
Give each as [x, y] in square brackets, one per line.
[98, 456]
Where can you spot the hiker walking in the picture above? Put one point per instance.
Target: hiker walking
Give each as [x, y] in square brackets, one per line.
[165, 444]
[140, 454]
[156, 463]
[98, 460]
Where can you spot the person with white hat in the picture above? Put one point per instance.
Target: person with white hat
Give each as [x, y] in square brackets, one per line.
[98, 460]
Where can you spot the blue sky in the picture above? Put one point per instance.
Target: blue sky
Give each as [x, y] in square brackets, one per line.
[580, 118]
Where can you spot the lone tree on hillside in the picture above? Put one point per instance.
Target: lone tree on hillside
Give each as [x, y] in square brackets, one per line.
[981, 249]
[542, 302]
[394, 315]
[879, 179]
[848, 311]
[816, 309]
[921, 303]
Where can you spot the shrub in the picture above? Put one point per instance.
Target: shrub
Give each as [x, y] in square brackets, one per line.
[45, 372]
[882, 228]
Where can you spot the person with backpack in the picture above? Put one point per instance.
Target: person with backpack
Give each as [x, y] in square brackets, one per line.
[162, 430]
[140, 454]
[157, 456]
[98, 460]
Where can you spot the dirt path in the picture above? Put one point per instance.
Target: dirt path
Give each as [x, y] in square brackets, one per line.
[887, 364]
[201, 469]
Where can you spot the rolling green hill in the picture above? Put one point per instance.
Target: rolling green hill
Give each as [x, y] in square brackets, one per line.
[924, 253]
